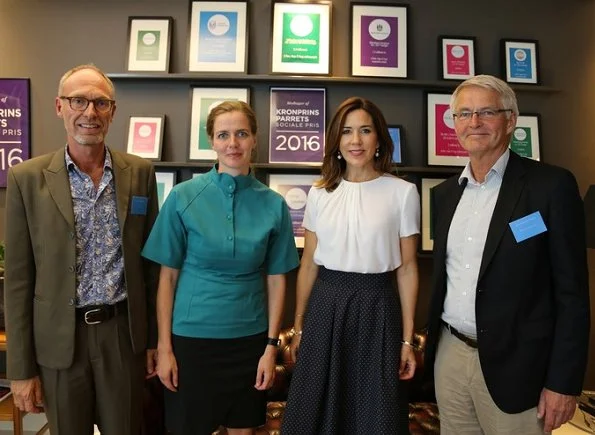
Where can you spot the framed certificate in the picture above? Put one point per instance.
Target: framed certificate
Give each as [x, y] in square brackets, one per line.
[145, 136]
[520, 61]
[301, 37]
[457, 56]
[379, 40]
[165, 183]
[427, 230]
[297, 125]
[149, 41]
[525, 137]
[294, 188]
[444, 148]
[203, 100]
[218, 36]
[396, 134]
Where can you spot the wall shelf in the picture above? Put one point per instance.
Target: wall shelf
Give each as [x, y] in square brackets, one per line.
[424, 170]
[276, 79]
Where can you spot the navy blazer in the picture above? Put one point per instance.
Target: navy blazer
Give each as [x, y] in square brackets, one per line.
[532, 297]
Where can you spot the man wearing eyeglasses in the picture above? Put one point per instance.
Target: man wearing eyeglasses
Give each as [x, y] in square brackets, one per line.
[509, 315]
[79, 297]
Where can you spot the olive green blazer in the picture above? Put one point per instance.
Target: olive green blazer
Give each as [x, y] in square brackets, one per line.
[40, 278]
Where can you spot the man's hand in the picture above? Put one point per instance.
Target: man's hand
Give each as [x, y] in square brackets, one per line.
[555, 408]
[27, 395]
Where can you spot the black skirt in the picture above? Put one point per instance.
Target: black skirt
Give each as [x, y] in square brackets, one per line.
[216, 380]
[346, 379]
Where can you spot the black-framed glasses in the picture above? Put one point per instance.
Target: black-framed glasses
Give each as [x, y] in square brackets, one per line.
[102, 105]
[485, 114]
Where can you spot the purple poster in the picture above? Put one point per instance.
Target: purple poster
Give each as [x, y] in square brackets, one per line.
[379, 41]
[14, 124]
[297, 124]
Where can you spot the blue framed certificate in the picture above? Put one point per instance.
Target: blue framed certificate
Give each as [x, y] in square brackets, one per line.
[520, 61]
[396, 134]
[218, 37]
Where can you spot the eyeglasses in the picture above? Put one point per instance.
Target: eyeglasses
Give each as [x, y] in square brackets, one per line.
[101, 105]
[484, 114]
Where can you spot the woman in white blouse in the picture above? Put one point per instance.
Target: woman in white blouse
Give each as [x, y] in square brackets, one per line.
[353, 329]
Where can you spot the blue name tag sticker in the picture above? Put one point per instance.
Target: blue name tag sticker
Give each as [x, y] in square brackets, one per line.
[139, 205]
[528, 226]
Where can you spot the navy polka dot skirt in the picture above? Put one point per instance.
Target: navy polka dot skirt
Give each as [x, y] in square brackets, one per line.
[346, 380]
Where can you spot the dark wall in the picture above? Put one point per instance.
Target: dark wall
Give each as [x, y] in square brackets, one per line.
[41, 39]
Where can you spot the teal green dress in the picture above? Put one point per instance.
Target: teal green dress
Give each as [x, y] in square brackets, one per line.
[224, 234]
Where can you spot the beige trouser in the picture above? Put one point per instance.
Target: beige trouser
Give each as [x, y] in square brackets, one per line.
[464, 403]
[104, 384]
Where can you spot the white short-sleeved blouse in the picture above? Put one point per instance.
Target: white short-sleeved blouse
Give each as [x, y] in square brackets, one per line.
[359, 225]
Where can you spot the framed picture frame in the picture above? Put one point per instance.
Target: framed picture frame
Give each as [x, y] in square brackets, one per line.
[297, 124]
[295, 189]
[166, 181]
[427, 230]
[149, 43]
[396, 134]
[379, 40]
[15, 124]
[457, 57]
[301, 37]
[520, 61]
[145, 136]
[218, 36]
[444, 148]
[202, 101]
[526, 140]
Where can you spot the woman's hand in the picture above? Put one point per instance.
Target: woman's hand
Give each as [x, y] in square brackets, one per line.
[265, 374]
[167, 369]
[407, 368]
[294, 346]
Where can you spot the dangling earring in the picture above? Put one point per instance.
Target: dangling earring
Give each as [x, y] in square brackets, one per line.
[377, 152]
[339, 156]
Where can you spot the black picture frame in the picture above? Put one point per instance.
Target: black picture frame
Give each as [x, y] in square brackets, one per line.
[457, 57]
[149, 44]
[520, 61]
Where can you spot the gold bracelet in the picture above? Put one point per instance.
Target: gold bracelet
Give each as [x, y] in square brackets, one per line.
[295, 332]
[408, 343]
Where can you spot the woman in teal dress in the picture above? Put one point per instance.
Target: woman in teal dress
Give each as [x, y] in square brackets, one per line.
[217, 237]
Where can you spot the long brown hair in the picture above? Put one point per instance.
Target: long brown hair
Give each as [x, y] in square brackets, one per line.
[333, 168]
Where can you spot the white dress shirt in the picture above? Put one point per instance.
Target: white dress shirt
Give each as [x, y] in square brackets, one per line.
[465, 245]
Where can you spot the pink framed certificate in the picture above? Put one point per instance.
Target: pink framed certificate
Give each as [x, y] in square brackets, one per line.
[458, 57]
[145, 136]
[444, 148]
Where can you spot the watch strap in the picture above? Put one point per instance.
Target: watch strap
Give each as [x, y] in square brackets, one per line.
[273, 341]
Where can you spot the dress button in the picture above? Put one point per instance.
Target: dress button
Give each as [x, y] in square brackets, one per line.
[71, 301]
[230, 194]
[71, 268]
[229, 238]
[71, 234]
[228, 217]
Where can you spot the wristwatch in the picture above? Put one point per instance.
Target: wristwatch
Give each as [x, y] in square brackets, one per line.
[273, 341]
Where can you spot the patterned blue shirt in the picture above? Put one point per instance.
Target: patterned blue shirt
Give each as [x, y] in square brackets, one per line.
[99, 260]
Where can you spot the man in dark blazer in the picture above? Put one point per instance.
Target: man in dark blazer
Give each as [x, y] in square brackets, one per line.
[509, 315]
[79, 298]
